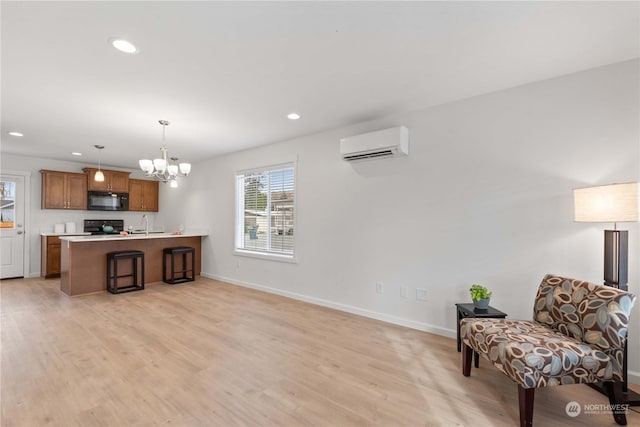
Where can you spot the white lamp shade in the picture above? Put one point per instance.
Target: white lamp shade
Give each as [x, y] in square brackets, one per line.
[173, 170]
[185, 168]
[173, 183]
[160, 165]
[146, 165]
[99, 176]
[607, 203]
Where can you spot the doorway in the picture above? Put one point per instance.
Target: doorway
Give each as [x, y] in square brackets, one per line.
[13, 244]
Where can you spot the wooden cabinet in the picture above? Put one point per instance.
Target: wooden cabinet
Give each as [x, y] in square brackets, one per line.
[143, 195]
[50, 261]
[116, 181]
[64, 190]
[51, 251]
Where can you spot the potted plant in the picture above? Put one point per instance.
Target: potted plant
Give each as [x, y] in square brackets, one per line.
[480, 296]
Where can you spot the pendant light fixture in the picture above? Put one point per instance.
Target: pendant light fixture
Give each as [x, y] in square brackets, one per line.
[99, 175]
[161, 168]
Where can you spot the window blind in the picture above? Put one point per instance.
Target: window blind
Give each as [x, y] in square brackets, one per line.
[265, 214]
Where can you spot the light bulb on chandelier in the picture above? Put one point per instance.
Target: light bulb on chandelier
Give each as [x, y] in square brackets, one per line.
[161, 168]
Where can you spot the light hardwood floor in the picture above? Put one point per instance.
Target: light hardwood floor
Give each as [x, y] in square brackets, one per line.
[209, 353]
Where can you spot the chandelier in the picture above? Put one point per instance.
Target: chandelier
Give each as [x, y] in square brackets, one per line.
[160, 168]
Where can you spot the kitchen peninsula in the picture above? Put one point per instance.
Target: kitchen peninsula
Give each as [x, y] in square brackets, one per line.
[84, 258]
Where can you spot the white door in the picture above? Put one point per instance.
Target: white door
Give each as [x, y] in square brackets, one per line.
[11, 226]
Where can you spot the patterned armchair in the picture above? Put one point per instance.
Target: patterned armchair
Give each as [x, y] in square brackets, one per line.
[577, 337]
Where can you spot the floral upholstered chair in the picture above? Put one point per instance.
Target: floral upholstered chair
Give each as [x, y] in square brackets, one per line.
[577, 337]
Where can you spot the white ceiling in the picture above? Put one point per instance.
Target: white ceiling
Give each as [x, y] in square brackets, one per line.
[225, 74]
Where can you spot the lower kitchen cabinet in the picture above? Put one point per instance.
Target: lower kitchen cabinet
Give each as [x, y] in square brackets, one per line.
[51, 249]
[50, 261]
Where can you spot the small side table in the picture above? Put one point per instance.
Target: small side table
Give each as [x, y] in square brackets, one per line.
[468, 310]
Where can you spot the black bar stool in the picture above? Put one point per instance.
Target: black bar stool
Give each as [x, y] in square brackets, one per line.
[113, 276]
[184, 277]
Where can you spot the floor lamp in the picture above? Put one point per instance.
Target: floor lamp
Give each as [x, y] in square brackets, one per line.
[612, 203]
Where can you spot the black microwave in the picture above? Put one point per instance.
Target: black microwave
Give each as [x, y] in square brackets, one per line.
[107, 201]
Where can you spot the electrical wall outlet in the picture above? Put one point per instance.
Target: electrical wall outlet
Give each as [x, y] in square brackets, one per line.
[421, 294]
[379, 288]
[404, 291]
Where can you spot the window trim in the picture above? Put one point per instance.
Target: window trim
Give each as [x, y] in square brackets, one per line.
[266, 255]
[239, 222]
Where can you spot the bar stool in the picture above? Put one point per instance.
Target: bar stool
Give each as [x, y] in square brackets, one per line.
[112, 271]
[172, 253]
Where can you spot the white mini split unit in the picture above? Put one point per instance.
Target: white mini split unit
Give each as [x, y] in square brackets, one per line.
[385, 143]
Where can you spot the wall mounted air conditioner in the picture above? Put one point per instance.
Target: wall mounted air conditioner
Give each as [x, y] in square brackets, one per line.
[391, 142]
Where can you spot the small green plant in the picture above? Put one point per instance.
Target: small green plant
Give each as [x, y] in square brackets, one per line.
[479, 292]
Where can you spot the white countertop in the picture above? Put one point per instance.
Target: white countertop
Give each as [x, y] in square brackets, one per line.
[111, 237]
[51, 233]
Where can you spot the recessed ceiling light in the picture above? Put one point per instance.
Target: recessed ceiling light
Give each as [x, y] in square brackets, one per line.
[123, 45]
[16, 134]
[76, 153]
[293, 116]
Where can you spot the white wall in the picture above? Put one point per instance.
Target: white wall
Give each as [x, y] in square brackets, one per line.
[43, 220]
[484, 197]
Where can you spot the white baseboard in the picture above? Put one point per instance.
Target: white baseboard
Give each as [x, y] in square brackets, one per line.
[633, 377]
[339, 306]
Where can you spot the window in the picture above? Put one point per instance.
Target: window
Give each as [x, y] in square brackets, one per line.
[8, 204]
[265, 215]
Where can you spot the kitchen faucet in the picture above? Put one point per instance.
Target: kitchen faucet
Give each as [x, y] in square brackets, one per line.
[146, 224]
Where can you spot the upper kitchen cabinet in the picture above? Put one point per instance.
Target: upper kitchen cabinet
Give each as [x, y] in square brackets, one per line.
[116, 181]
[64, 190]
[143, 195]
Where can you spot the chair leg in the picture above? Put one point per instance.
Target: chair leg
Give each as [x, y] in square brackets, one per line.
[467, 357]
[618, 405]
[525, 399]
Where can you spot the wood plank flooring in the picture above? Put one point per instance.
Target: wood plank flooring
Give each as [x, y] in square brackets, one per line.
[208, 353]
